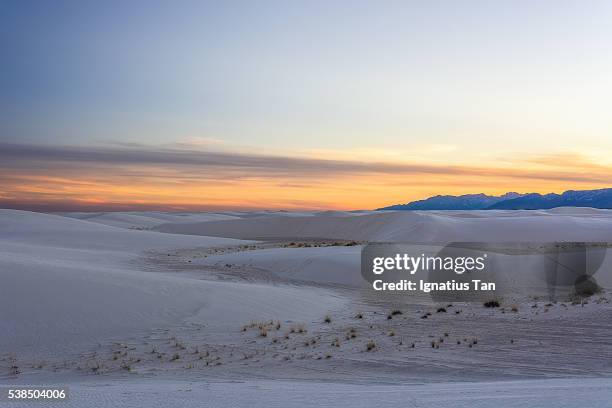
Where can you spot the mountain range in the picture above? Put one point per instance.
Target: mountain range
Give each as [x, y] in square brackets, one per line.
[601, 198]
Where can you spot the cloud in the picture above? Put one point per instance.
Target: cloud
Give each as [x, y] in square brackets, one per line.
[133, 176]
[20, 156]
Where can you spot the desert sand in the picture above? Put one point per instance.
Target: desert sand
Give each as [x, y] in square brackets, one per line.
[269, 309]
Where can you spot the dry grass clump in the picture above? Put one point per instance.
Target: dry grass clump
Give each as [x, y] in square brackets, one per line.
[394, 313]
[13, 367]
[299, 328]
[352, 333]
[371, 345]
[262, 326]
[327, 319]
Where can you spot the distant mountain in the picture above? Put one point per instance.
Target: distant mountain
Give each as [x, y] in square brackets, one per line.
[586, 198]
[601, 198]
[450, 202]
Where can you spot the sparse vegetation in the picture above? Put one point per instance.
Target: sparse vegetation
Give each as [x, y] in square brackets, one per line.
[351, 334]
[371, 345]
[491, 303]
[586, 287]
[394, 312]
[13, 367]
[298, 328]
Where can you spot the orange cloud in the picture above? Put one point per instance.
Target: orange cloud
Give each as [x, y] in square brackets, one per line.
[73, 178]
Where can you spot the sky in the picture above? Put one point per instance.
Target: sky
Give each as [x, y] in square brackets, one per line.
[195, 105]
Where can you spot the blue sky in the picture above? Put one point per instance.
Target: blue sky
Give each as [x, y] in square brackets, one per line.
[438, 82]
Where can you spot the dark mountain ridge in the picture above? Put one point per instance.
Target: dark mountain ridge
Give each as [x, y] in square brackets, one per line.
[601, 198]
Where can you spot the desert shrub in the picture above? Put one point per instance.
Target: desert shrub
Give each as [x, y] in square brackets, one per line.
[585, 287]
[491, 303]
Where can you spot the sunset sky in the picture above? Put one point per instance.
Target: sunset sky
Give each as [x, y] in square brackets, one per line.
[195, 105]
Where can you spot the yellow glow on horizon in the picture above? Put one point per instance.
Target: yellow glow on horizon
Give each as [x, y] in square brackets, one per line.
[170, 189]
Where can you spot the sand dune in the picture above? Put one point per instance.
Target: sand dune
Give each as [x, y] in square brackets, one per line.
[78, 289]
[142, 220]
[494, 226]
[329, 265]
[68, 283]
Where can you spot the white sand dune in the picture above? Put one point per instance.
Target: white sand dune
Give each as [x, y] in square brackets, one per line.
[142, 220]
[69, 283]
[334, 265]
[440, 226]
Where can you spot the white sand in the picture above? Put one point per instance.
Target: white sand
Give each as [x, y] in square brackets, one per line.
[69, 283]
[493, 226]
[81, 282]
